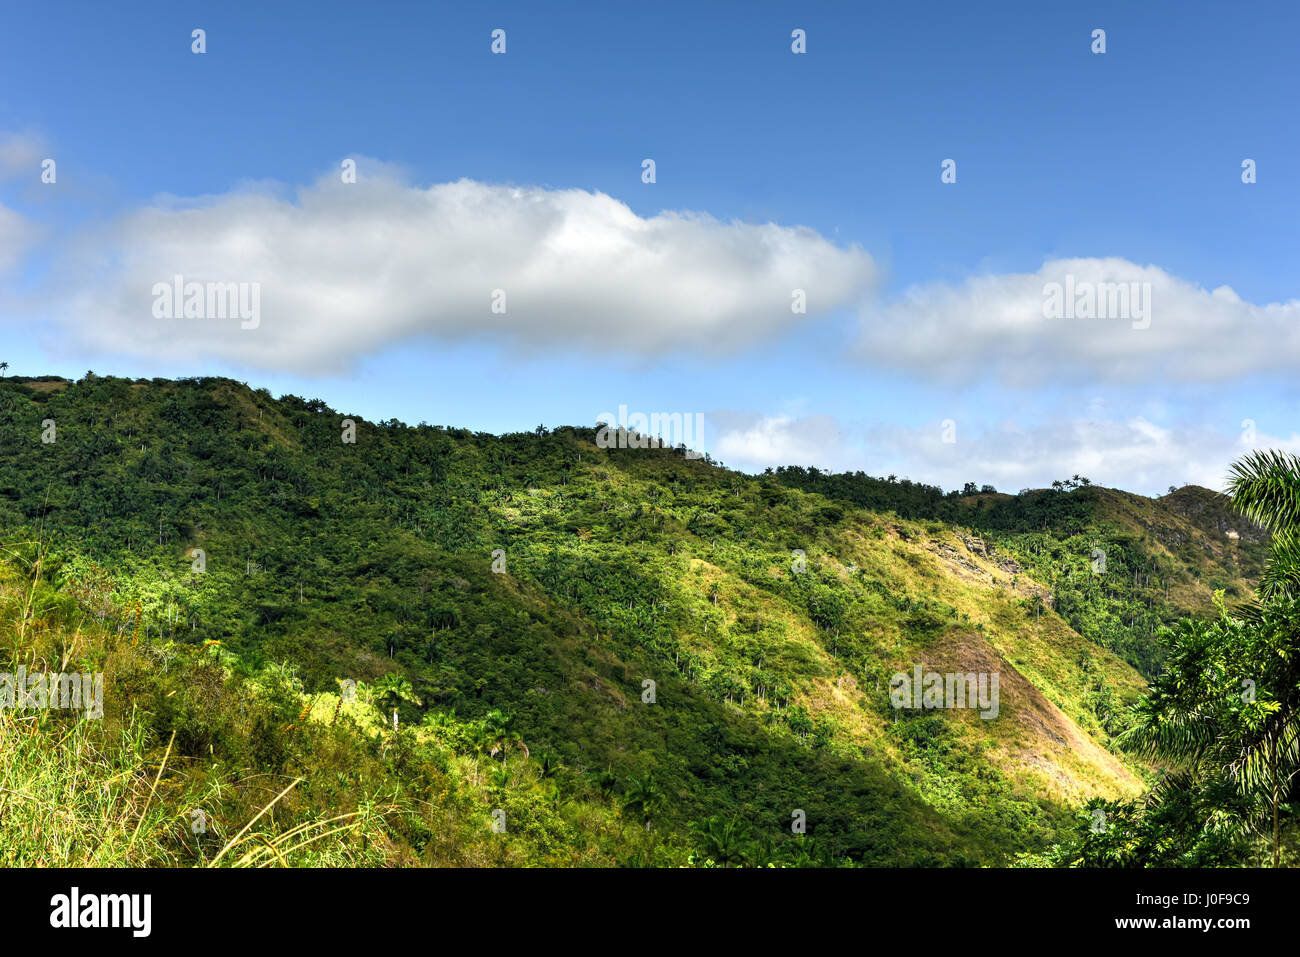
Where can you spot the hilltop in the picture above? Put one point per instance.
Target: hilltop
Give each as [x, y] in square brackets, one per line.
[639, 657]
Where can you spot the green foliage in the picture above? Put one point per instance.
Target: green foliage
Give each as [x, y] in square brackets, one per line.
[1265, 487]
[325, 561]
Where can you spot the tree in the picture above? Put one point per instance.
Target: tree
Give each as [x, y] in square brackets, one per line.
[809, 852]
[1265, 487]
[498, 734]
[392, 689]
[1227, 709]
[4, 366]
[1181, 822]
[606, 780]
[724, 841]
[548, 765]
[644, 798]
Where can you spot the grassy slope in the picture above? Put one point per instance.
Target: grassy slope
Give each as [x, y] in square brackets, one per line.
[622, 565]
[281, 775]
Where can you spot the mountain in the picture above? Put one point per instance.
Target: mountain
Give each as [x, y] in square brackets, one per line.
[592, 655]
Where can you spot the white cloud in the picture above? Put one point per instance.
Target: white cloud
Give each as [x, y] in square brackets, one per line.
[350, 270]
[347, 270]
[17, 236]
[1130, 453]
[995, 325]
[20, 155]
[753, 442]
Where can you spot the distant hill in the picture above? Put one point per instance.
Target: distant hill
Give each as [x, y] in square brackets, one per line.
[1164, 557]
[642, 658]
[1211, 512]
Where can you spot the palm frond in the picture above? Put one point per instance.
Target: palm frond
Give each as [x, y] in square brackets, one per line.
[1265, 487]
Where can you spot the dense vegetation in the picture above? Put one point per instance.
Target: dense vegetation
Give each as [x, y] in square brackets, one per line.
[1222, 719]
[561, 653]
[1157, 570]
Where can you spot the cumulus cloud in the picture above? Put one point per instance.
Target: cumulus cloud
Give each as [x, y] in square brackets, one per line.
[20, 155]
[17, 236]
[1131, 453]
[753, 442]
[1113, 321]
[349, 269]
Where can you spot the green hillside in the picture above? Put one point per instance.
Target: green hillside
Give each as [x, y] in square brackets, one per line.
[504, 600]
[1163, 558]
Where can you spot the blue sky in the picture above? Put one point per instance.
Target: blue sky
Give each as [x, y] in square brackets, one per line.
[1118, 162]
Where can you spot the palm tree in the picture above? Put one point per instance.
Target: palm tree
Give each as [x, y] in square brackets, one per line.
[1265, 487]
[607, 780]
[809, 852]
[721, 840]
[392, 689]
[497, 734]
[762, 851]
[644, 798]
[4, 366]
[1227, 709]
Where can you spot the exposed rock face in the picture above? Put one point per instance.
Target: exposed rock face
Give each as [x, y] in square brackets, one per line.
[977, 546]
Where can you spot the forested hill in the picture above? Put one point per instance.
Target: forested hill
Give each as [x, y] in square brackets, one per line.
[634, 657]
[1163, 558]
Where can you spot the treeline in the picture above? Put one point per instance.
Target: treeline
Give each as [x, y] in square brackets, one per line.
[1064, 509]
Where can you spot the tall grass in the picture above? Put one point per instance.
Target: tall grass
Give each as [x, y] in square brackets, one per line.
[69, 798]
[77, 796]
